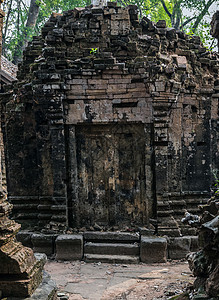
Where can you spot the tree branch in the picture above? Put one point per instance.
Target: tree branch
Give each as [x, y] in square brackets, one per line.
[201, 15]
[212, 43]
[186, 22]
[178, 19]
[165, 8]
[25, 7]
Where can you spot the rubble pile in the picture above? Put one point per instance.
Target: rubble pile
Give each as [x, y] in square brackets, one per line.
[205, 262]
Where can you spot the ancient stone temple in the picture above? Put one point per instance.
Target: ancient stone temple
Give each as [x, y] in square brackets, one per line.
[113, 122]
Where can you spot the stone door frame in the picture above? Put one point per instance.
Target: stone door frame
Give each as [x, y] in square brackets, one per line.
[72, 173]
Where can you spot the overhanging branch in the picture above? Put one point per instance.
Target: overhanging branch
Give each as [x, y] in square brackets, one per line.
[165, 8]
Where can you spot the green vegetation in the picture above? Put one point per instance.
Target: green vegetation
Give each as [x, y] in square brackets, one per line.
[216, 183]
[22, 21]
[93, 50]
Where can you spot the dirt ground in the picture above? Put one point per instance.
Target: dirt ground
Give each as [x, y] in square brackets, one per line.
[99, 281]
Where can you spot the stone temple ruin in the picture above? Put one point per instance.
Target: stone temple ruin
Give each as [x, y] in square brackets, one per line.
[112, 125]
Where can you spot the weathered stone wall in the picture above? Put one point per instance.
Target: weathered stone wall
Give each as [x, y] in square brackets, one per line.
[115, 122]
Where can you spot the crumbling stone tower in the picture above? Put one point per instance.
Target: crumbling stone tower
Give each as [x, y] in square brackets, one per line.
[112, 122]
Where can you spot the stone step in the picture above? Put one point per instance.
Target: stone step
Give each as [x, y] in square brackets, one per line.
[178, 212]
[164, 213]
[115, 259]
[194, 211]
[168, 231]
[162, 205]
[188, 230]
[111, 236]
[111, 248]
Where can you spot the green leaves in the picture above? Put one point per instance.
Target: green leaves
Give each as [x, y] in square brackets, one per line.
[187, 15]
[216, 179]
[93, 50]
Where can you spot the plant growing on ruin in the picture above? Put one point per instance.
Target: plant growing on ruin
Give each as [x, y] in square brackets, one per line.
[216, 184]
[93, 51]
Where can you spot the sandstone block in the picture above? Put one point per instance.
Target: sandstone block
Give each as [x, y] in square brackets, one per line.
[161, 24]
[109, 236]
[112, 248]
[179, 247]
[181, 62]
[153, 249]
[69, 247]
[25, 238]
[43, 243]
[160, 86]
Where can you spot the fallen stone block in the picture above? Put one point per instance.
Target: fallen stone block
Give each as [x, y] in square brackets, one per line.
[179, 247]
[43, 243]
[69, 247]
[25, 238]
[153, 249]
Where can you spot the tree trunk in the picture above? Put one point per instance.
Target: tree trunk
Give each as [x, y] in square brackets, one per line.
[6, 27]
[30, 24]
[31, 20]
[33, 14]
[17, 48]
